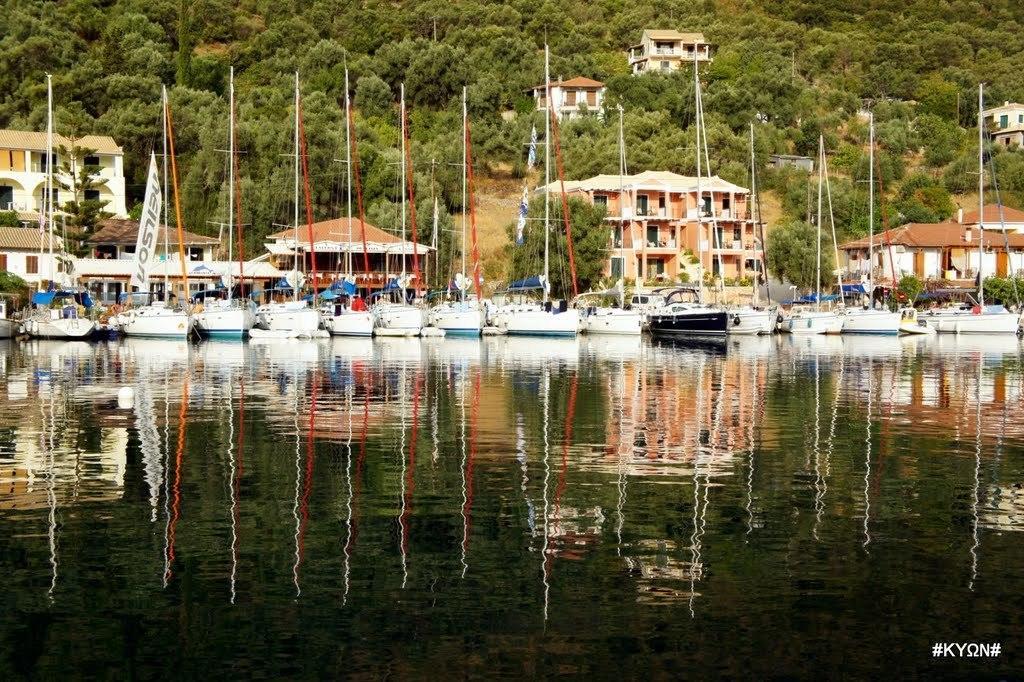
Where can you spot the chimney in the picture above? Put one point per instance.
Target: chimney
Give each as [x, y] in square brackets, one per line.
[960, 215]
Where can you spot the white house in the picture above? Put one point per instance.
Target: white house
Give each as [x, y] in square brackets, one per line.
[571, 96]
[23, 169]
[1005, 124]
[25, 252]
[663, 50]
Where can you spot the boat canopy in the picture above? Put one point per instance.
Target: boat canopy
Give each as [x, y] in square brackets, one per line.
[813, 298]
[854, 289]
[529, 284]
[341, 287]
[49, 296]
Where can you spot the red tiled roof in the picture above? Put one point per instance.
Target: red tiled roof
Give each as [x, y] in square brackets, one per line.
[577, 82]
[122, 231]
[338, 230]
[992, 215]
[935, 235]
[22, 238]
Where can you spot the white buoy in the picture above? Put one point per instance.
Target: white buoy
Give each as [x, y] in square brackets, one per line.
[126, 397]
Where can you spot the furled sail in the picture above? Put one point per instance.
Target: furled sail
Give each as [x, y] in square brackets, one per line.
[149, 228]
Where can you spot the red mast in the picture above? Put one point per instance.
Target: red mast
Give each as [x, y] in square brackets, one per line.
[472, 214]
[565, 200]
[412, 197]
[359, 189]
[309, 199]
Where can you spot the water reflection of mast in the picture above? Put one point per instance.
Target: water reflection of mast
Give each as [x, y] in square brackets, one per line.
[977, 474]
[467, 490]
[754, 407]
[176, 488]
[236, 471]
[47, 435]
[867, 457]
[348, 486]
[818, 490]
[408, 474]
[695, 553]
[547, 474]
[166, 474]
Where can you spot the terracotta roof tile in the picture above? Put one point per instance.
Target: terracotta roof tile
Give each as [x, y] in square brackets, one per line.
[935, 235]
[123, 231]
[338, 230]
[21, 238]
[27, 139]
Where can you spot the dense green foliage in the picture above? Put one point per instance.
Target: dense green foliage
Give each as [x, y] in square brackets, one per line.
[1006, 290]
[792, 255]
[14, 286]
[909, 288]
[9, 219]
[799, 68]
[82, 213]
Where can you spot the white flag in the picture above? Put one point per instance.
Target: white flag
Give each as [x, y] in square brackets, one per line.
[149, 226]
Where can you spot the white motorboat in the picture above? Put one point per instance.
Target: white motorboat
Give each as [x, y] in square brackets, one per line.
[226, 318]
[537, 320]
[155, 320]
[990, 319]
[871, 321]
[611, 321]
[750, 320]
[813, 322]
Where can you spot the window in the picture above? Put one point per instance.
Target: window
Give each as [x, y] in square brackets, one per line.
[641, 204]
[652, 236]
[616, 267]
[42, 162]
[91, 161]
[6, 197]
[3, 261]
[1004, 121]
[706, 201]
[195, 253]
[726, 203]
[600, 200]
[1020, 118]
[665, 66]
[570, 98]
[736, 235]
[655, 266]
[92, 195]
[32, 265]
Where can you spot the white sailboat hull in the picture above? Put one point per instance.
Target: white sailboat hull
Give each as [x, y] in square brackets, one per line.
[395, 319]
[226, 321]
[813, 323]
[59, 328]
[750, 321]
[614, 321]
[289, 318]
[156, 322]
[539, 322]
[969, 323]
[349, 323]
[457, 319]
[869, 321]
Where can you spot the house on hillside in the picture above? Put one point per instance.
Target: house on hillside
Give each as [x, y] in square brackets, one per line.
[1005, 124]
[804, 163]
[946, 250]
[23, 170]
[658, 225]
[571, 98]
[666, 50]
[340, 241]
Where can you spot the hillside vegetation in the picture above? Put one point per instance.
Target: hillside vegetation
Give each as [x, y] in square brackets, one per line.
[798, 68]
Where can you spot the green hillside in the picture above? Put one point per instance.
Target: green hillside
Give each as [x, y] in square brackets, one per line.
[797, 68]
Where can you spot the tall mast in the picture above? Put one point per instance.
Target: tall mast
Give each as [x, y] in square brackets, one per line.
[401, 114]
[871, 206]
[49, 170]
[167, 253]
[622, 213]
[547, 168]
[716, 254]
[295, 197]
[231, 178]
[753, 212]
[981, 199]
[348, 174]
[465, 205]
[700, 218]
[817, 271]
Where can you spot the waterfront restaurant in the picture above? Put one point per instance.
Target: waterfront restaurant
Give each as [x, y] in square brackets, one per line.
[656, 233]
[338, 242]
[941, 251]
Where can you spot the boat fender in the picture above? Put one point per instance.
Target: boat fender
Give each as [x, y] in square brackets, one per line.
[736, 320]
[126, 397]
[778, 319]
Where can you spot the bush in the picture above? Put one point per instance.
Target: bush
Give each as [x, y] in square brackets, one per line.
[9, 219]
[910, 287]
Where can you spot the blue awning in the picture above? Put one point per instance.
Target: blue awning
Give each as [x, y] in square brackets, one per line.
[345, 287]
[43, 297]
[854, 289]
[528, 284]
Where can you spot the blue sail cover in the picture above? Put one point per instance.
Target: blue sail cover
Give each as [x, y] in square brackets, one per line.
[854, 289]
[43, 297]
[47, 297]
[528, 284]
[813, 298]
[343, 287]
[392, 285]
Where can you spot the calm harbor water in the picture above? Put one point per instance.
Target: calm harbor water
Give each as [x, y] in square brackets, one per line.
[761, 508]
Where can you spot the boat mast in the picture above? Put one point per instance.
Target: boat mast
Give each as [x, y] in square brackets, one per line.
[465, 204]
[817, 271]
[401, 114]
[231, 178]
[981, 199]
[700, 208]
[547, 169]
[49, 171]
[622, 214]
[348, 175]
[715, 244]
[871, 207]
[756, 298]
[167, 253]
[295, 196]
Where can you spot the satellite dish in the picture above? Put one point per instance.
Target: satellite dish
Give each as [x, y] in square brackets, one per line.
[295, 279]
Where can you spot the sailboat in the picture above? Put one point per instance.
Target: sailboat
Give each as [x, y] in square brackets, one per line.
[752, 319]
[545, 319]
[685, 312]
[868, 319]
[816, 321]
[229, 317]
[48, 321]
[979, 319]
[347, 317]
[392, 314]
[294, 318]
[155, 317]
[462, 317]
[614, 319]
